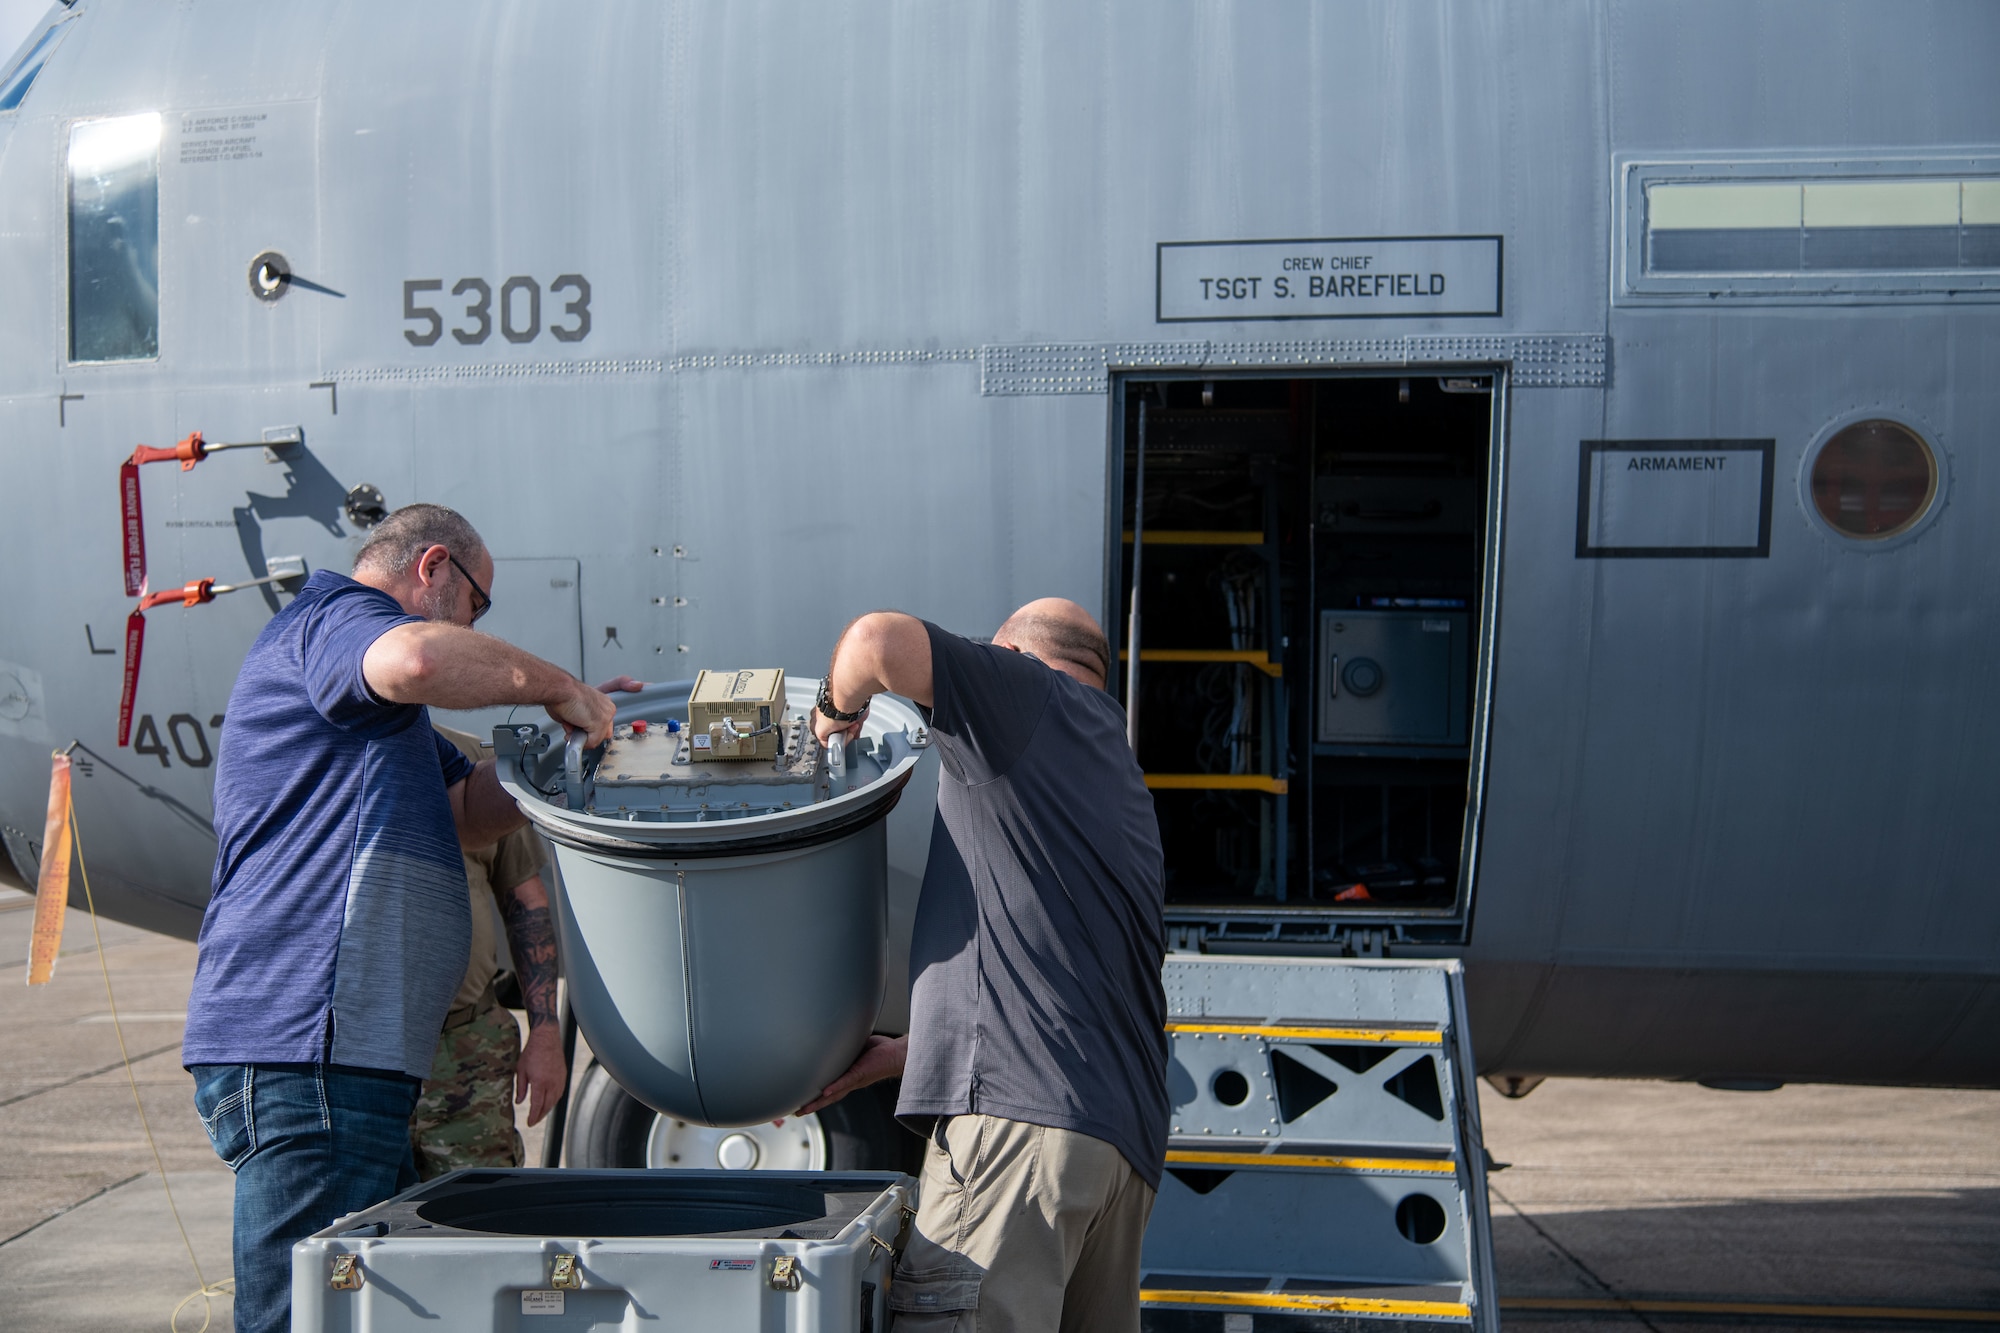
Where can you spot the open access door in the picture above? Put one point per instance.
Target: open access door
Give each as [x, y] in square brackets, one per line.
[1315, 560]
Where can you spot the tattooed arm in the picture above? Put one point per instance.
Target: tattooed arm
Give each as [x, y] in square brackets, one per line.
[541, 1074]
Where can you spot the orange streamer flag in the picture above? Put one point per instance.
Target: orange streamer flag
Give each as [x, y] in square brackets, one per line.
[52, 887]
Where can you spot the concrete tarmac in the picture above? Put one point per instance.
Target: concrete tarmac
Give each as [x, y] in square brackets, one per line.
[1628, 1205]
[1623, 1206]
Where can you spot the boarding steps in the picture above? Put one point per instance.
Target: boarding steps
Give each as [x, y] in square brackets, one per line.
[1325, 1169]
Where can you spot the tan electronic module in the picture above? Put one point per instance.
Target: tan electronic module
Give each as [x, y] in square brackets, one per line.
[736, 714]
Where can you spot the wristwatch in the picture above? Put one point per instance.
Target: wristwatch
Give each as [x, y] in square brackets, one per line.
[825, 705]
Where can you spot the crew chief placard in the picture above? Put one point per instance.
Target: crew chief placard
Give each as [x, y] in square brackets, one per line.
[1371, 277]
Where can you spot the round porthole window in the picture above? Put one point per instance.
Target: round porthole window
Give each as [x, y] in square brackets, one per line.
[1873, 479]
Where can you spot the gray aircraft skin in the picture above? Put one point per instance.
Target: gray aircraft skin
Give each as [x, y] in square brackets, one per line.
[725, 323]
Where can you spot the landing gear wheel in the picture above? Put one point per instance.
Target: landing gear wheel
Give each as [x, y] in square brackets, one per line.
[609, 1127]
[795, 1143]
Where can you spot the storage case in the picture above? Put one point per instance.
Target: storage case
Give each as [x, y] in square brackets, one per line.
[556, 1251]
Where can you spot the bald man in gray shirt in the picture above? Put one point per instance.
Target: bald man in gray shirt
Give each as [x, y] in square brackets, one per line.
[1036, 1057]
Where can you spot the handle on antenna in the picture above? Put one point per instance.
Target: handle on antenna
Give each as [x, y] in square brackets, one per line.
[573, 747]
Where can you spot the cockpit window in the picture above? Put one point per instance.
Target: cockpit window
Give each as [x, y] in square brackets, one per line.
[114, 239]
[20, 75]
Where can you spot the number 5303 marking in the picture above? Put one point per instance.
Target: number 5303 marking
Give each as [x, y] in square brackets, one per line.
[519, 310]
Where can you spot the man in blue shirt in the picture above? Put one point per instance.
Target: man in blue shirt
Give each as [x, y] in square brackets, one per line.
[338, 926]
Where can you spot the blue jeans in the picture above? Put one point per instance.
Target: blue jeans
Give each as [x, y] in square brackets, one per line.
[308, 1144]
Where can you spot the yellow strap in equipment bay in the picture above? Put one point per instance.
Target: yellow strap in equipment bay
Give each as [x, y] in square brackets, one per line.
[1263, 782]
[1429, 1166]
[1290, 1300]
[1313, 1032]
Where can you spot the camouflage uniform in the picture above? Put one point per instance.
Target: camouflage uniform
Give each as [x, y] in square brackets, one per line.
[466, 1115]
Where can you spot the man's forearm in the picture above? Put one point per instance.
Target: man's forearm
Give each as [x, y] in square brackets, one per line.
[445, 666]
[531, 937]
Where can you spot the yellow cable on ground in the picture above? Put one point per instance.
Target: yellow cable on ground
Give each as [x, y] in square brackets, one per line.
[207, 1289]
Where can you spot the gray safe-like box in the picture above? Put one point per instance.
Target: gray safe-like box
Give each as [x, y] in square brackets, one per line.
[1393, 678]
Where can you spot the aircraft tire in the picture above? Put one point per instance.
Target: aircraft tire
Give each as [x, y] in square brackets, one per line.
[609, 1127]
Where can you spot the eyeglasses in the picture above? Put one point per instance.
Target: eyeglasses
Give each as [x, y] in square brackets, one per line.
[484, 603]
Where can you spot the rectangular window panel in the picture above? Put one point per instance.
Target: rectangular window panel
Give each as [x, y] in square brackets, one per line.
[1881, 224]
[1722, 228]
[1979, 229]
[114, 239]
[1774, 230]
[20, 76]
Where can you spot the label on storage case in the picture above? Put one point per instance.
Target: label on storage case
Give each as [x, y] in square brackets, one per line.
[732, 1265]
[541, 1302]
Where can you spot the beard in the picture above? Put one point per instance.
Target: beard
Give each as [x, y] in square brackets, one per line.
[439, 601]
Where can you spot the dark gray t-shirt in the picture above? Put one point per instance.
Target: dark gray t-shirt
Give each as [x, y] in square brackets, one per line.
[1038, 943]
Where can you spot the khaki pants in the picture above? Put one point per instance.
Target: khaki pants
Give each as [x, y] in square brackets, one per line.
[1022, 1229]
